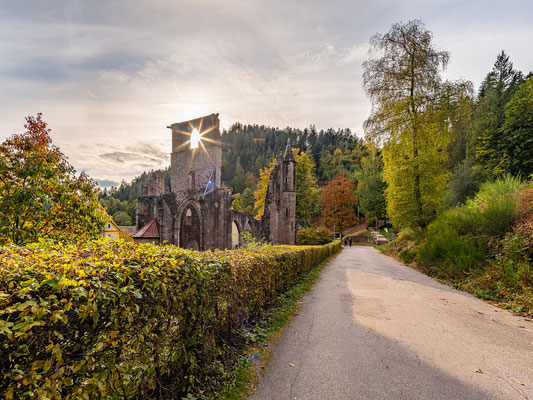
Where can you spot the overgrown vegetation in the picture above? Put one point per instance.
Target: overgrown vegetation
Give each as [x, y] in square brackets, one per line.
[484, 246]
[119, 320]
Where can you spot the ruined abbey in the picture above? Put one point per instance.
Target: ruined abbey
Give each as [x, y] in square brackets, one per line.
[195, 212]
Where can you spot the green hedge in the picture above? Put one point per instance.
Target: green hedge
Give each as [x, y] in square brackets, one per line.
[119, 320]
[320, 235]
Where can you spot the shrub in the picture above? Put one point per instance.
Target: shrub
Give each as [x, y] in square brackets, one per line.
[497, 215]
[119, 320]
[505, 185]
[314, 236]
[460, 254]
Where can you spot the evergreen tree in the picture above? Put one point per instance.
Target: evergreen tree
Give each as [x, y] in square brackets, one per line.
[496, 90]
[247, 201]
[518, 131]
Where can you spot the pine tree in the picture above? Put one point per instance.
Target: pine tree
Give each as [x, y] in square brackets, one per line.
[496, 91]
[518, 131]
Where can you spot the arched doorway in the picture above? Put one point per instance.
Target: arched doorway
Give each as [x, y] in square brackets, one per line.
[190, 228]
[248, 228]
[235, 232]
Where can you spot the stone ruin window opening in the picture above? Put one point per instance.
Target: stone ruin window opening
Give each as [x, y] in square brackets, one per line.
[190, 228]
[195, 138]
[235, 235]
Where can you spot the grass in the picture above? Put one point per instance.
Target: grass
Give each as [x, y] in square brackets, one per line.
[246, 375]
[484, 247]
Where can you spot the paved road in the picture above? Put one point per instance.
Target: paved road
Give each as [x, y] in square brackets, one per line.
[372, 328]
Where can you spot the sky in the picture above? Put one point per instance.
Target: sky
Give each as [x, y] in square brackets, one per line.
[110, 76]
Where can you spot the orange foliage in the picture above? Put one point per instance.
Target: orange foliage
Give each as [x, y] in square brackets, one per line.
[338, 202]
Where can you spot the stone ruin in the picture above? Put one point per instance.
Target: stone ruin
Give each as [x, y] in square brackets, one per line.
[195, 212]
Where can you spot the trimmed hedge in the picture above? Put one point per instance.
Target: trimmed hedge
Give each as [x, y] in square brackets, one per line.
[320, 235]
[120, 320]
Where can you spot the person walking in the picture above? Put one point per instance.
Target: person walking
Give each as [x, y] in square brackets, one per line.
[345, 242]
[350, 241]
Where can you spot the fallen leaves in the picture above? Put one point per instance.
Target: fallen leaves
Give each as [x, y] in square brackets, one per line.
[517, 381]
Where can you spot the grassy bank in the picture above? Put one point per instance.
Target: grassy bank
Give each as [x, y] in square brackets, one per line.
[484, 247]
[267, 331]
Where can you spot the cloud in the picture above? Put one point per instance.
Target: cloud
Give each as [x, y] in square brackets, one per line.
[109, 79]
[106, 183]
[139, 152]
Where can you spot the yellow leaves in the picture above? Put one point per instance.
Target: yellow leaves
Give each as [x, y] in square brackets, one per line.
[133, 289]
[517, 381]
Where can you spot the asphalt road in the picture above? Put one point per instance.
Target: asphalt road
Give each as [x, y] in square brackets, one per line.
[372, 328]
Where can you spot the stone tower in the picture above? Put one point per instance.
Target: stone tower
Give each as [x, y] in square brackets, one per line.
[194, 168]
[197, 213]
[279, 219]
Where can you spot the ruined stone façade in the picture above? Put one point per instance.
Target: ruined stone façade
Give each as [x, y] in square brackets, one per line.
[196, 212]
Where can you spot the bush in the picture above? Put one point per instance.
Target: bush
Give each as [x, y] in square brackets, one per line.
[119, 320]
[459, 253]
[505, 185]
[314, 236]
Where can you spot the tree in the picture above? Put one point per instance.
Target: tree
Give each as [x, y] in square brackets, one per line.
[238, 181]
[305, 183]
[247, 201]
[409, 118]
[122, 218]
[518, 130]
[371, 188]
[262, 187]
[236, 203]
[40, 194]
[496, 91]
[338, 203]
[464, 183]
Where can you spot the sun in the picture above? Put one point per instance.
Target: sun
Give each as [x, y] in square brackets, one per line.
[195, 138]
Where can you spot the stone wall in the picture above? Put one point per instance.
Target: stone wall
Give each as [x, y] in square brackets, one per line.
[279, 218]
[155, 185]
[188, 216]
[204, 161]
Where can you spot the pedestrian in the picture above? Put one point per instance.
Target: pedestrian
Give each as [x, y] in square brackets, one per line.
[350, 241]
[345, 241]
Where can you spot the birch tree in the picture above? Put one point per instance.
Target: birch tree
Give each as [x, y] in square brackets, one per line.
[409, 118]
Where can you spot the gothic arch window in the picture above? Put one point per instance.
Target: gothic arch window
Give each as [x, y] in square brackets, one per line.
[190, 228]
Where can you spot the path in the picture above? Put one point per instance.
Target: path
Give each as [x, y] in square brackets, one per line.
[372, 328]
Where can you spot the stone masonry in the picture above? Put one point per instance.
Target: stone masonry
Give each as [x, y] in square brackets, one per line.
[196, 213]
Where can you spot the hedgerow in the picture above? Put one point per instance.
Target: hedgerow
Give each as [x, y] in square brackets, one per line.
[120, 320]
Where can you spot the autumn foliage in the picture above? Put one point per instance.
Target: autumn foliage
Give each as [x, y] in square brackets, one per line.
[338, 202]
[111, 319]
[40, 194]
